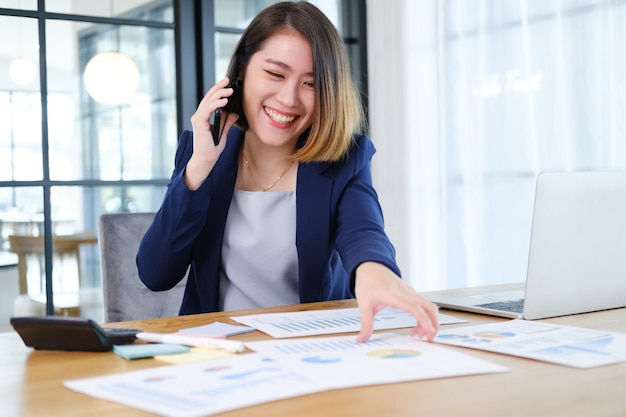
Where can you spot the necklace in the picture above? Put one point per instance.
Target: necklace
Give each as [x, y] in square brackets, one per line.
[269, 187]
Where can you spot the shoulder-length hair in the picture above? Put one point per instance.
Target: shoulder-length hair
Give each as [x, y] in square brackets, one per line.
[338, 109]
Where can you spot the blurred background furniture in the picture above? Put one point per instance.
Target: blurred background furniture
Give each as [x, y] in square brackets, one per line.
[125, 297]
[21, 223]
[69, 293]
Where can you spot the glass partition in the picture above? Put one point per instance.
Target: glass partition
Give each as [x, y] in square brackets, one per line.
[134, 9]
[101, 129]
[101, 138]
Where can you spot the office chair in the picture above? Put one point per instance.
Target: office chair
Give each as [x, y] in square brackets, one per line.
[125, 297]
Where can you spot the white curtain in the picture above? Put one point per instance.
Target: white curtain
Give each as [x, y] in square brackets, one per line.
[469, 101]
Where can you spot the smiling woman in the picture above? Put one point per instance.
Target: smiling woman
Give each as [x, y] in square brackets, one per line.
[64, 155]
[316, 232]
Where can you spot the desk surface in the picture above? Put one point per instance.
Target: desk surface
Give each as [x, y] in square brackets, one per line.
[31, 382]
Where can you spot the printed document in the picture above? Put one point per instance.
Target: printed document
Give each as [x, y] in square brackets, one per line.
[565, 345]
[318, 322]
[340, 362]
[280, 369]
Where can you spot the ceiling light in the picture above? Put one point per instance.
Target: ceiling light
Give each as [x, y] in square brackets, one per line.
[111, 78]
[22, 71]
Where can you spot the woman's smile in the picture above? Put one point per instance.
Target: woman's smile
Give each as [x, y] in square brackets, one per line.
[278, 117]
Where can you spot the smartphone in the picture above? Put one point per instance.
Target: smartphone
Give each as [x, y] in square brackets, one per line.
[234, 103]
[69, 333]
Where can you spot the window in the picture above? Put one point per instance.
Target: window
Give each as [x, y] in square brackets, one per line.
[71, 149]
[492, 93]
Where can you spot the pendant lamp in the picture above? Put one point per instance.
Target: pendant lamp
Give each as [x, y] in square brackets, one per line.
[22, 71]
[111, 78]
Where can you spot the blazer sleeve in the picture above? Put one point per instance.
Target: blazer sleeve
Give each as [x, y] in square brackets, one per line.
[360, 230]
[166, 249]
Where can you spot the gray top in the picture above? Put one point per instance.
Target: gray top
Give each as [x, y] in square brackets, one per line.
[259, 257]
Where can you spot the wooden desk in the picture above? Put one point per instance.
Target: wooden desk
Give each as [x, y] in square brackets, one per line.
[31, 382]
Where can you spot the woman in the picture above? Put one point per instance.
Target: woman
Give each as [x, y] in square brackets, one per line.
[282, 209]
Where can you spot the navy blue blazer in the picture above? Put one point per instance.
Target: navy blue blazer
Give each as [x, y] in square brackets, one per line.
[339, 225]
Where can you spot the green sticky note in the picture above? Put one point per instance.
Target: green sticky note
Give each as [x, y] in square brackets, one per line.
[148, 350]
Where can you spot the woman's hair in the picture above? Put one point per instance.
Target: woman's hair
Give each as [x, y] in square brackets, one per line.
[338, 110]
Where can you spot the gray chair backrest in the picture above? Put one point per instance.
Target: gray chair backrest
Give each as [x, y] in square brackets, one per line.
[125, 297]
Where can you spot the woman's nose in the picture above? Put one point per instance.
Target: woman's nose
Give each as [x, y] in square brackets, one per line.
[288, 95]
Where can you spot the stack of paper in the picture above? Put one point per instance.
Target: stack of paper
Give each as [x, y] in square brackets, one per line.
[281, 369]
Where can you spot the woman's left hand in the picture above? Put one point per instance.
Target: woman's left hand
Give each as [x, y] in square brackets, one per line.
[378, 287]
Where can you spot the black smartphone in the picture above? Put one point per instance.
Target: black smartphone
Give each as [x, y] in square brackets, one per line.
[69, 333]
[234, 102]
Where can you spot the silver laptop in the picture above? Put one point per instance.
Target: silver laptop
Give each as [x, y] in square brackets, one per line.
[577, 256]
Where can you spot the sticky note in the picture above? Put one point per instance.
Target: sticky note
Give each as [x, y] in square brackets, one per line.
[148, 350]
[196, 355]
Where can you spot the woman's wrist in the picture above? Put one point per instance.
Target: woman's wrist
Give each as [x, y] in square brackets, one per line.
[196, 173]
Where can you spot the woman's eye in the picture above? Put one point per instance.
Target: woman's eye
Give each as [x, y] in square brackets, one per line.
[310, 84]
[274, 74]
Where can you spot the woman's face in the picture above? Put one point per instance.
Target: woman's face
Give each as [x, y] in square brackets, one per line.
[279, 95]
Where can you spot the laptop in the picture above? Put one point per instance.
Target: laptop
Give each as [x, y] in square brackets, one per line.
[577, 254]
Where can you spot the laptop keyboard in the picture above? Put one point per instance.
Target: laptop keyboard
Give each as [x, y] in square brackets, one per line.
[514, 306]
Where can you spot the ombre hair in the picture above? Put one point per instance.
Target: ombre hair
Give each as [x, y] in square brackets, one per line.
[338, 110]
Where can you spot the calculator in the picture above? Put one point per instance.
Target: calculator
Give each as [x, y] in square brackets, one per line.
[70, 333]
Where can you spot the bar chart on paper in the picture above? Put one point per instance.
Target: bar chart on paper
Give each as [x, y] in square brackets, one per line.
[318, 322]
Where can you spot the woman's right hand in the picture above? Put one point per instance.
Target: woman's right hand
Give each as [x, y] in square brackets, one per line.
[205, 152]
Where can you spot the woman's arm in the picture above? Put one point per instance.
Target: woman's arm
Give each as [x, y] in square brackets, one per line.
[165, 251]
[369, 256]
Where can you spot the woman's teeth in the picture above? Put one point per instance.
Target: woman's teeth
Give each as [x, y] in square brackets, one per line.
[279, 118]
